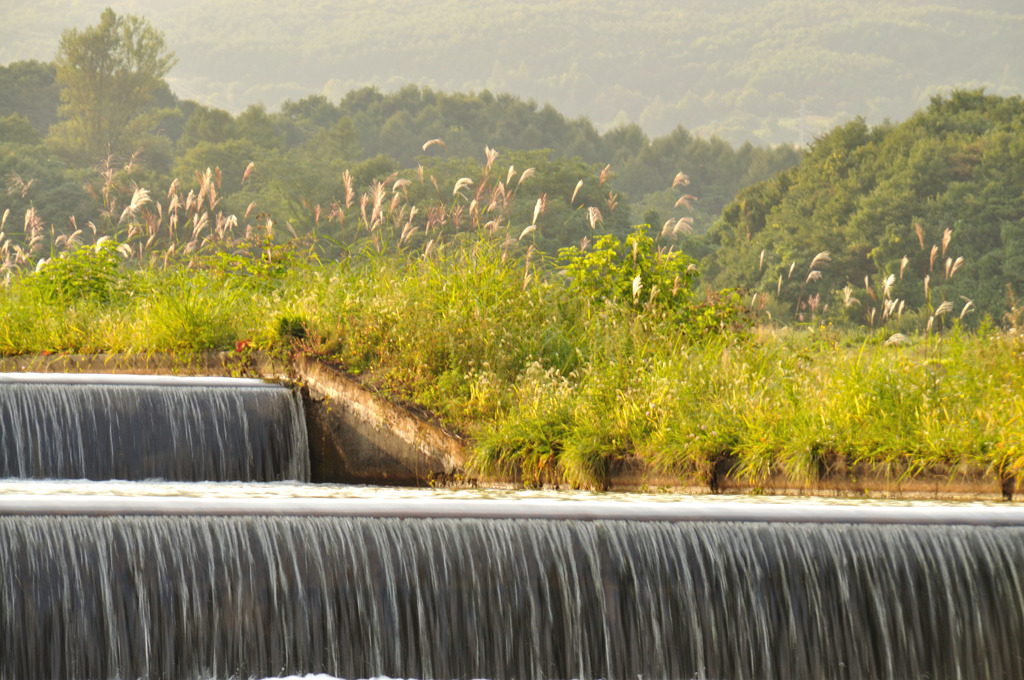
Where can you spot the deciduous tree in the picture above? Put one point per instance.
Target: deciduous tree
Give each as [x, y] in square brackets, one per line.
[109, 75]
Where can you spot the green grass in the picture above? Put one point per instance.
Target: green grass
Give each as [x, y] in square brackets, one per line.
[555, 387]
[557, 370]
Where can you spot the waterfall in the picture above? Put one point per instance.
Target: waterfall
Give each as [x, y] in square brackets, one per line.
[254, 595]
[135, 428]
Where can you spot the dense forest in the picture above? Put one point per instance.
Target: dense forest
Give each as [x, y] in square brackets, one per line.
[744, 70]
[300, 154]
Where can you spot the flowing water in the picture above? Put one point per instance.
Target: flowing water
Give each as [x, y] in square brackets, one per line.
[116, 579]
[300, 582]
[145, 427]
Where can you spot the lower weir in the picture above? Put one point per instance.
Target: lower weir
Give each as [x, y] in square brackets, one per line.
[187, 588]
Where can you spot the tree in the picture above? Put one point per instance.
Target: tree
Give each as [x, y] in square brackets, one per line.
[109, 75]
[17, 129]
[207, 125]
[28, 88]
[255, 125]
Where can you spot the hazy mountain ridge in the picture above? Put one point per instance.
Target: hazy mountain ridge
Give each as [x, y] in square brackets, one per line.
[772, 72]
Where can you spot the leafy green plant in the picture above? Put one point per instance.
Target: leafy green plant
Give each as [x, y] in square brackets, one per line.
[84, 273]
[289, 328]
[633, 273]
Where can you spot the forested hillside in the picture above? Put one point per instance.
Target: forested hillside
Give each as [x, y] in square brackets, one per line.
[775, 72]
[290, 165]
[920, 219]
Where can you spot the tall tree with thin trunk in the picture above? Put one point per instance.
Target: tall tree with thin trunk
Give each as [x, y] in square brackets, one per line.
[108, 75]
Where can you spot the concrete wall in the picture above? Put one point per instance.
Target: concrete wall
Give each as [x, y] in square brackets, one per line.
[358, 436]
[833, 481]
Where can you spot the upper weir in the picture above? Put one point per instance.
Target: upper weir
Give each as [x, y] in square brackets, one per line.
[87, 426]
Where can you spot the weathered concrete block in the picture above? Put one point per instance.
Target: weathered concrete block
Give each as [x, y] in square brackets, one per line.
[359, 437]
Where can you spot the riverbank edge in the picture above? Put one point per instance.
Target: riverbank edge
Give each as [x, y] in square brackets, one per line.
[360, 436]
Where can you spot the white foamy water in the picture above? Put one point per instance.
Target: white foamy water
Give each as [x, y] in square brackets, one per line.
[297, 490]
[323, 677]
[83, 498]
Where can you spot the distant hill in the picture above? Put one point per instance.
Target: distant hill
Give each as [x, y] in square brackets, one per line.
[745, 70]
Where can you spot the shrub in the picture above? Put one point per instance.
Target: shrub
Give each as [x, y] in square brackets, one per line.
[633, 273]
[86, 273]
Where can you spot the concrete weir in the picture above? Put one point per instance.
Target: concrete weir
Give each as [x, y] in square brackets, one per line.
[356, 436]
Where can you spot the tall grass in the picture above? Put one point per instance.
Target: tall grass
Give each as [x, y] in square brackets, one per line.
[554, 388]
[553, 385]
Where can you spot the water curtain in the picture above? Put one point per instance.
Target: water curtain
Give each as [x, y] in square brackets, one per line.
[144, 427]
[435, 591]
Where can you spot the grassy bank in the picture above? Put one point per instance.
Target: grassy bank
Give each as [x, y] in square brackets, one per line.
[554, 380]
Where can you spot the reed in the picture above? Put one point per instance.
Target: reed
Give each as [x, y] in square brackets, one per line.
[449, 306]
